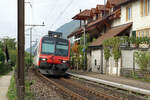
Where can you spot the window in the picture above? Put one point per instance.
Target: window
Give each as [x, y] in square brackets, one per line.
[128, 13]
[134, 33]
[62, 48]
[143, 33]
[148, 6]
[145, 7]
[139, 34]
[96, 16]
[35, 52]
[48, 47]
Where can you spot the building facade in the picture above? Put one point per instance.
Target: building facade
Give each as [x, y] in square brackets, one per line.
[116, 18]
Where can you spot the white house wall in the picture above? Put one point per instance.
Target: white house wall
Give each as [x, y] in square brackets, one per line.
[139, 22]
[116, 22]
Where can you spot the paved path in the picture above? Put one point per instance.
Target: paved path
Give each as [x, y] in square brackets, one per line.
[4, 84]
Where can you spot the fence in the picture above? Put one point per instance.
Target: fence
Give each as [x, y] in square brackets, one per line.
[137, 73]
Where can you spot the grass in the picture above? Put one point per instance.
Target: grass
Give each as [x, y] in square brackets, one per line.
[12, 93]
[28, 93]
[136, 77]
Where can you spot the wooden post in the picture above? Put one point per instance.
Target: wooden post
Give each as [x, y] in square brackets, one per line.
[20, 51]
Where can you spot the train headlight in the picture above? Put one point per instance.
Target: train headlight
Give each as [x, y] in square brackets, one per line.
[64, 61]
[43, 59]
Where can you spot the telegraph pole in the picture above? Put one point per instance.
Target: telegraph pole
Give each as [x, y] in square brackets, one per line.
[32, 25]
[20, 51]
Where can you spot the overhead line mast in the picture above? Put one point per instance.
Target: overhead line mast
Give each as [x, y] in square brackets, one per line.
[32, 25]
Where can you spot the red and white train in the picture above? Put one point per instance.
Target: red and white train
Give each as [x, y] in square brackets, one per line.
[52, 54]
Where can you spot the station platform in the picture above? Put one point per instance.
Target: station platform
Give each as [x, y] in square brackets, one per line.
[118, 82]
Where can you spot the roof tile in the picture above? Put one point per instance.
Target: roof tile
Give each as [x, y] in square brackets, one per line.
[110, 33]
[82, 15]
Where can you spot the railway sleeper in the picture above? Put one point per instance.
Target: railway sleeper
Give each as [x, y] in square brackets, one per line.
[90, 90]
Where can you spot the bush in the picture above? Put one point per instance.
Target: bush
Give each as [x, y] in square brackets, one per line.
[143, 59]
[27, 59]
[2, 56]
[13, 57]
[5, 69]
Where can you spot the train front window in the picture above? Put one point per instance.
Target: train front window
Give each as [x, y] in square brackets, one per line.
[61, 49]
[48, 47]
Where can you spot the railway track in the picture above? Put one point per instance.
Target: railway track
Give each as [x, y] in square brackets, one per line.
[91, 90]
[75, 90]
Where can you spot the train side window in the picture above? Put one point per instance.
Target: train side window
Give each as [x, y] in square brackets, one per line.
[35, 52]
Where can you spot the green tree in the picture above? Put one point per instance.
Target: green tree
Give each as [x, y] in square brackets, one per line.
[113, 43]
[11, 43]
[11, 46]
[107, 54]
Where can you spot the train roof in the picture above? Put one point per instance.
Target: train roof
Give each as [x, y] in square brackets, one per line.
[54, 32]
[54, 38]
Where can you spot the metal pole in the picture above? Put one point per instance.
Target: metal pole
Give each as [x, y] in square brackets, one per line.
[20, 51]
[30, 46]
[32, 25]
[80, 20]
[104, 8]
[84, 47]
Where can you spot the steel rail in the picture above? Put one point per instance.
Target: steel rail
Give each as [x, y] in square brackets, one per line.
[69, 92]
[90, 90]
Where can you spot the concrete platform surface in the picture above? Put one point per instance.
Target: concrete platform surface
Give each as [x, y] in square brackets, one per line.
[4, 85]
[120, 80]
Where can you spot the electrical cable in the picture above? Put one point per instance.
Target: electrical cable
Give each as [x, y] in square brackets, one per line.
[62, 12]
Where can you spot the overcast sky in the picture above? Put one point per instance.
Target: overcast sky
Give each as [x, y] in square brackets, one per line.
[53, 13]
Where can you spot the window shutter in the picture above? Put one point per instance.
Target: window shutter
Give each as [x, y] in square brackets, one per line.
[141, 7]
[146, 10]
[127, 14]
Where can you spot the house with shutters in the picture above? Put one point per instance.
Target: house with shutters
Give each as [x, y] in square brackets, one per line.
[115, 18]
